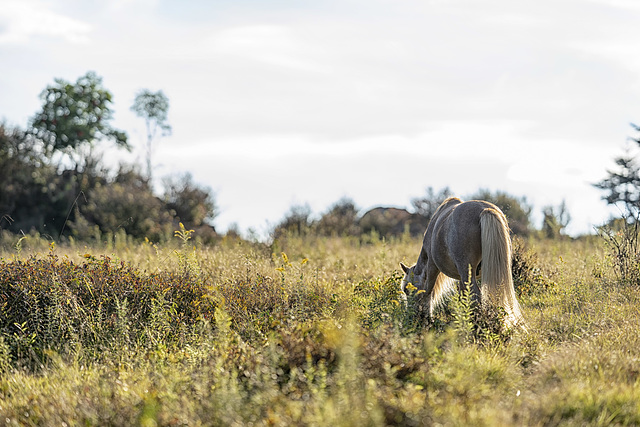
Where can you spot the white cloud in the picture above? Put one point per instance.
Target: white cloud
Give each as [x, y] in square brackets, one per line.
[21, 20]
[631, 5]
[559, 162]
[623, 52]
[270, 44]
[118, 5]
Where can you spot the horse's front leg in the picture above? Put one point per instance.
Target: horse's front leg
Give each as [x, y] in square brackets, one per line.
[425, 303]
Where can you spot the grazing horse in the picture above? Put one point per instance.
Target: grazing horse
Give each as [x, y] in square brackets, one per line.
[459, 237]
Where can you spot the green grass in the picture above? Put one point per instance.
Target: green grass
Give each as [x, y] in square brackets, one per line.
[308, 331]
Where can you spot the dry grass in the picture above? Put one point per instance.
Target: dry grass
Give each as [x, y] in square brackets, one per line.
[306, 332]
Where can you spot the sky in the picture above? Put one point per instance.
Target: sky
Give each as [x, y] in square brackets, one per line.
[292, 102]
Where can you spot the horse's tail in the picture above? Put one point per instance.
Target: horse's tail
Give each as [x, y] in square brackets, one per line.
[496, 264]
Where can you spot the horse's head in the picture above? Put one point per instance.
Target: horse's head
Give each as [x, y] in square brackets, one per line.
[410, 276]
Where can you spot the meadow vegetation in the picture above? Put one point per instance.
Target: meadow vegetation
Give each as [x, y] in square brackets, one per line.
[194, 328]
[307, 331]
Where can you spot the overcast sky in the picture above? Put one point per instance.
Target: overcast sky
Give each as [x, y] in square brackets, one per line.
[276, 103]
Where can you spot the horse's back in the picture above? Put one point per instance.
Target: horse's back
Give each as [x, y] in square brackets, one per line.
[465, 234]
[465, 222]
[461, 218]
[456, 223]
[455, 237]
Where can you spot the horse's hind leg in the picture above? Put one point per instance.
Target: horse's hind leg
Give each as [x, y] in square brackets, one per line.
[468, 278]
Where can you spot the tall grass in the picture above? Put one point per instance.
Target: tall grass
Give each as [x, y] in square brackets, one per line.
[310, 331]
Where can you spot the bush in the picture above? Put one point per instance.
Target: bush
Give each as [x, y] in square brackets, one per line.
[427, 205]
[297, 222]
[622, 240]
[29, 192]
[517, 210]
[123, 206]
[527, 276]
[56, 304]
[40, 195]
[340, 220]
[389, 222]
[189, 203]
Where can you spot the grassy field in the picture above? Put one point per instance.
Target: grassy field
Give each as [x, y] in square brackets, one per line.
[307, 331]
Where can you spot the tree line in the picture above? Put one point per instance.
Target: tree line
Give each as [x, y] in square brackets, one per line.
[53, 181]
[343, 218]
[620, 187]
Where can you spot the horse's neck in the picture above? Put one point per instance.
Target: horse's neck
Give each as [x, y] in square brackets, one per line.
[421, 264]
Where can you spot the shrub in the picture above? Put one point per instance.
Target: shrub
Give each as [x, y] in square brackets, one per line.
[123, 206]
[527, 276]
[297, 222]
[389, 222]
[621, 238]
[191, 204]
[427, 205]
[377, 299]
[259, 304]
[517, 210]
[53, 303]
[31, 191]
[340, 220]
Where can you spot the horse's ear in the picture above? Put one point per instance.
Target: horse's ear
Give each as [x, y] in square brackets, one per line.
[404, 267]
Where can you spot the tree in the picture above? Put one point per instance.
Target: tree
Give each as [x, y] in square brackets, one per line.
[427, 205]
[340, 220]
[517, 210]
[153, 108]
[555, 220]
[296, 222]
[75, 116]
[622, 186]
[193, 205]
[124, 202]
[23, 181]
